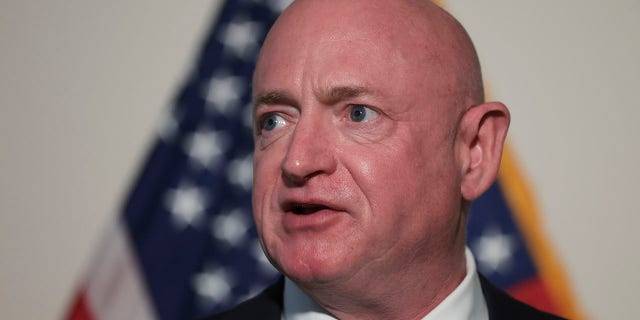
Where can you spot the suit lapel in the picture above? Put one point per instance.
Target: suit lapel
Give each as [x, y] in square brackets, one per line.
[267, 305]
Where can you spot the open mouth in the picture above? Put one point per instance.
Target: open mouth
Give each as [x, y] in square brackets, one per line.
[305, 208]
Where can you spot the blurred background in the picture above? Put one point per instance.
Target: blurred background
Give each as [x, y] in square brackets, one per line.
[85, 86]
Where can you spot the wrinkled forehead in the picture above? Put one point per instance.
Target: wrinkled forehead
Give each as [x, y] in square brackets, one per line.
[409, 42]
[349, 34]
[392, 21]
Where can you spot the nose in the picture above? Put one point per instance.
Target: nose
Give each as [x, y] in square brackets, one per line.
[311, 152]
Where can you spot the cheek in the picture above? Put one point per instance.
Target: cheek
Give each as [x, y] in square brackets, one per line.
[265, 176]
[266, 169]
[400, 179]
[386, 183]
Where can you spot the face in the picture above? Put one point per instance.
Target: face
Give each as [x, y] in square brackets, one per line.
[354, 166]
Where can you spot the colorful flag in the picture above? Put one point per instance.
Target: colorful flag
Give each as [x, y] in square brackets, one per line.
[510, 247]
[185, 246]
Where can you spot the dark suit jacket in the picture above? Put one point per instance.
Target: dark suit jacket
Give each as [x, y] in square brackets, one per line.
[268, 306]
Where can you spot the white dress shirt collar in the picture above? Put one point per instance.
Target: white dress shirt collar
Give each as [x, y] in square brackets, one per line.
[465, 302]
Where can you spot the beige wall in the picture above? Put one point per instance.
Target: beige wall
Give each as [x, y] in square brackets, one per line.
[83, 86]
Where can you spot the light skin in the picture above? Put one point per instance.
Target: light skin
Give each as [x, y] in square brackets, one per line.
[371, 139]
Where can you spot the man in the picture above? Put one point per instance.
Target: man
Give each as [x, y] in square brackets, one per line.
[372, 138]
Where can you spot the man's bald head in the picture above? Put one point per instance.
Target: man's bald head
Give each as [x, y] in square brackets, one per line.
[371, 137]
[428, 33]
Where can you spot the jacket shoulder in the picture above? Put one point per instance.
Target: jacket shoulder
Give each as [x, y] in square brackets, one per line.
[266, 305]
[502, 306]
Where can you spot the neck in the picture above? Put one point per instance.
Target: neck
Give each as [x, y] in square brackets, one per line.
[410, 294]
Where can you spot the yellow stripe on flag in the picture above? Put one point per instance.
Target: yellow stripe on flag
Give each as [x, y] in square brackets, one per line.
[525, 212]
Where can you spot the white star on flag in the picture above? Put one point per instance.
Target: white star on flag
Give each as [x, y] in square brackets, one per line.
[224, 92]
[187, 205]
[494, 250]
[241, 172]
[213, 285]
[241, 38]
[231, 227]
[206, 147]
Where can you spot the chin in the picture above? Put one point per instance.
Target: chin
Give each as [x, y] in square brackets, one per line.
[314, 266]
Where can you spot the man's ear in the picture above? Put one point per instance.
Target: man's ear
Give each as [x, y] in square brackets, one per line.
[480, 139]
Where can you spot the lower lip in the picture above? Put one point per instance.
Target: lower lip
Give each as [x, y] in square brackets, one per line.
[317, 221]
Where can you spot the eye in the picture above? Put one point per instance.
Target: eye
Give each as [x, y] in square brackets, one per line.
[361, 113]
[271, 121]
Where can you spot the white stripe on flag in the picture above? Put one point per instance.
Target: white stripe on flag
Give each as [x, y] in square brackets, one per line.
[115, 289]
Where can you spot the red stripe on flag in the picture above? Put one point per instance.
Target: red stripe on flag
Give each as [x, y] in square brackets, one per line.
[80, 310]
[533, 292]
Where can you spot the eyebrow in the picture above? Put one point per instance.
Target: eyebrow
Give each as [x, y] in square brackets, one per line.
[339, 93]
[274, 97]
[330, 96]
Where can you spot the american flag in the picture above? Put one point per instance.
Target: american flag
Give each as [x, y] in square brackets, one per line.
[185, 245]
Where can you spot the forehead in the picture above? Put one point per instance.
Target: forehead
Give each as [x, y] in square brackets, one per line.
[356, 59]
[344, 44]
